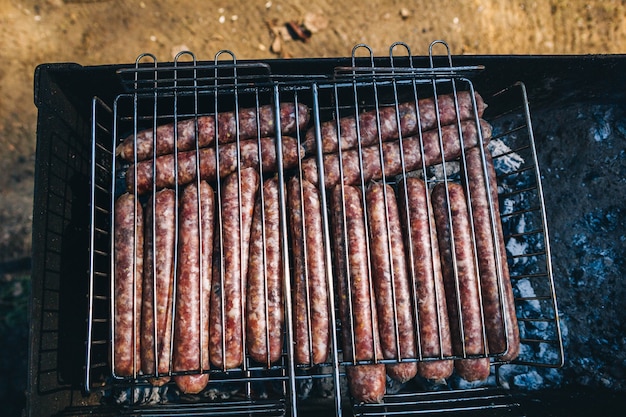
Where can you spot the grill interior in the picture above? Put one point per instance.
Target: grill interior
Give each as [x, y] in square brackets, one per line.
[154, 94]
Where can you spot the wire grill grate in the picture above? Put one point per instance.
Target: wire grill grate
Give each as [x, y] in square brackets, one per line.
[169, 94]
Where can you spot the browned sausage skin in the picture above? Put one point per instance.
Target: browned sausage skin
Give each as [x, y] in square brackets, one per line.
[356, 306]
[312, 337]
[493, 275]
[228, 292]
[168, 170]
[434, 328]
[459, 271]
[193, 281]
[412, 118]
[128, 283]
[158, 285]
[350, 167]
[391, 281]
[185, 134]
[264, 301]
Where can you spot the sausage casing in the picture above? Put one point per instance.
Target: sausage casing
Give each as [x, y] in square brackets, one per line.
[434, 329]
[390, 281]
[193, 282]
[167, 170]
[312, 337]
[349, 168]
[359, 323]
[264, 301]
[128, 283]
[493, 275]
[228, 290]
[460, 279]
[367, 383]
[413, 118]
[158, 285]
[185, 134]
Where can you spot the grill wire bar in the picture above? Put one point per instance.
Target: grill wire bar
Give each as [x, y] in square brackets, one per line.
[188, 99]
[96, 357]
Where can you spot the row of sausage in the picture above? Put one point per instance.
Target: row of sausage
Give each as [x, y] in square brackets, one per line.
[439, 282]
[190, 295]
[249, 123]
[218, 290]
[212, 147]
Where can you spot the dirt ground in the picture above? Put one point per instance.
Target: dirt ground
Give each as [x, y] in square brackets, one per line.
[93, 32]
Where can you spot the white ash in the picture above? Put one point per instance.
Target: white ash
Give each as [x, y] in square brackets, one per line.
[601, 130]
[521, 225]
[222, 392]
[456, 382]
[505, 164]
[528, 378]
[526, 290]
[531, 380]
[507, 207]
[534, 323]
[141, 394]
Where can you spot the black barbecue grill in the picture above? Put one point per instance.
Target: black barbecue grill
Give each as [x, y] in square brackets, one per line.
[79, 177]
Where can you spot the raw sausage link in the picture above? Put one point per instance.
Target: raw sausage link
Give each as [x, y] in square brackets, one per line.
[231, 268]
[359, 320]
[191, 326]
[185, 136]
[264, 327]
[246, 155]
[158, 285]
[391, 281]
[493, 305]
[166, 137]
[387, 117]
[356, 306]
[426, 270]
[128, 238]
[370, 155]
[312, 337]
[458, 266]
[367, 383]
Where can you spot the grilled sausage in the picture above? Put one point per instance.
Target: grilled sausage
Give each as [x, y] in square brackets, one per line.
[231, 268]
[185, 133]
[128, 237]
[392, 155]
[491, 281]
[230, 156]
[434, 329]
[460, 279]
[412, 119]
[193, 280]
[158, 285]
[391, 282]
[356, 305]
[264, 302]
[312, 337]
